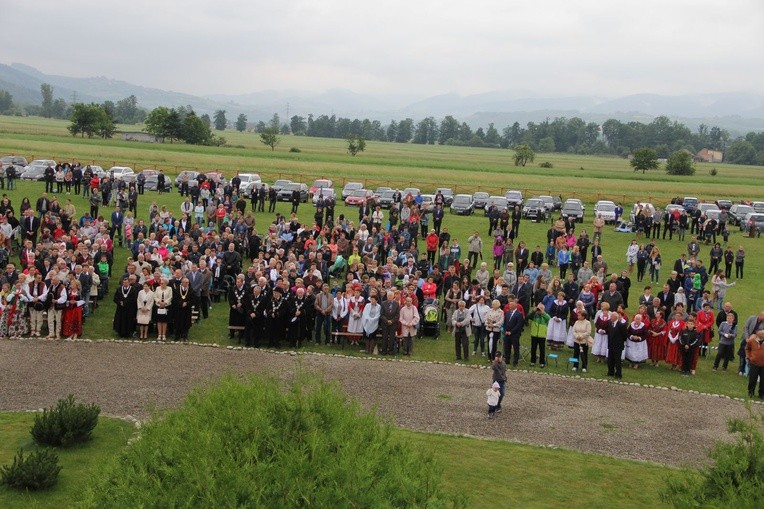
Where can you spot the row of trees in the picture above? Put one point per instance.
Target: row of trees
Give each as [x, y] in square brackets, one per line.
[181, 124]
[572, 135]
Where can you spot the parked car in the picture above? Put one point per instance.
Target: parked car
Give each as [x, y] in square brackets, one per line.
[249, 181]
[499, 201]
[286, 192]
[35, 169]
[358, 196]
[462, 204]
[479, 199]
[576, 200]
[689, 203]
[705, 207]
[514, 198]
[319, 184]
[671, 207]
[121, 172]
[573, 209]
[738, 212]
[279, 185]
[753, 220]
[448, 195]
[552, 202]
[758, 206]
[324, 192]
[641, 206]
[385, 200]
[607, 209]
[151, 183]
[187, 175]
[381, 189]
[17, 161]
[413, 191]
[724, 204]
[535, 209]
[97, 170]
[350, 187]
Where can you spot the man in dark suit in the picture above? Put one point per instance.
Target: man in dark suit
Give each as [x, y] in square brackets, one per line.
[364, 211]
[667, 299]
[616, 338]
[30, 225]
[388, 323]
[513, 327]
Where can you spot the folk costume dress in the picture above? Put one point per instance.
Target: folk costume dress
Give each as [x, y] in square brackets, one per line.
[636, 343]
[355, 314]
[673, 352]
[557, 329]
[13, 323]
[657, 341]
[601, 324]
[72, 316]
[570, 340]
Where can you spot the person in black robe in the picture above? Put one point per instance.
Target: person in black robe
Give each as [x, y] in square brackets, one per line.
[275, 321]
[126, 300]
[255, 305]
[183, 301]
[298, 313]
[237, 296]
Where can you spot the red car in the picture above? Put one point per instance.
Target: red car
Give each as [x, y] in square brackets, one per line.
[318, 185]
[357, 197]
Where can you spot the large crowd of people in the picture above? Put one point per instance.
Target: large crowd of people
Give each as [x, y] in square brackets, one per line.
[364, 279]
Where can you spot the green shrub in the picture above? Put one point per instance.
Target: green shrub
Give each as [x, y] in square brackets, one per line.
[36, 471]
[735, 479]
[546, 164]
[295, 149]
[714, 172]
[66, 423]
[250, 444]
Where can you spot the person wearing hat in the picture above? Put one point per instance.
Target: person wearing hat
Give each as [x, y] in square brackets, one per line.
[492, 394]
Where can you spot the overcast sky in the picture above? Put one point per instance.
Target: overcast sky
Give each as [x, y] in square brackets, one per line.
[540, 48]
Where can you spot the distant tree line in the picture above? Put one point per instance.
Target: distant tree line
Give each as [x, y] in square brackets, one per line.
[569, 135]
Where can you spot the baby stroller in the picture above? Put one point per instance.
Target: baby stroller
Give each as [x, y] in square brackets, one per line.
[430, 326]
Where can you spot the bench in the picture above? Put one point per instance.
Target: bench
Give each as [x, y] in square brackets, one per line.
[340, 336]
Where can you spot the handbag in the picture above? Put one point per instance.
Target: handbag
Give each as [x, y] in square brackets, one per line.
[161, 311]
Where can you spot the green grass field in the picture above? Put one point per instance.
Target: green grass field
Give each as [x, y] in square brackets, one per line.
[50, 138]
[529, 477]
[79, 463]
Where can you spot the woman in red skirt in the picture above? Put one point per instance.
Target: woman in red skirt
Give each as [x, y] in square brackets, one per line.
[71, 318]
[657, 343]
[674, 329]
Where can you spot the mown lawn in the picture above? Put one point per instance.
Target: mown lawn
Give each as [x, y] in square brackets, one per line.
[79, 463]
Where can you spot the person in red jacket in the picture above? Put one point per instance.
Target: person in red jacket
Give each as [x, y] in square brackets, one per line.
[432, 247]
[704, 324]
[429, 289]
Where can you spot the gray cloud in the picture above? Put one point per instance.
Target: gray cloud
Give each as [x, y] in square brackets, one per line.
[544, 47]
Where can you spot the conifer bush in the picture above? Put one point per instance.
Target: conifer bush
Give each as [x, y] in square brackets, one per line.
[34, 472]
[66, 423]
[252, 444]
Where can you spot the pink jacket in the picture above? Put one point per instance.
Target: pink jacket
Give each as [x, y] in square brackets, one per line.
[409, 319]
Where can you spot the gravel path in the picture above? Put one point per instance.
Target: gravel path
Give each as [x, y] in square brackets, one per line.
[617, 420]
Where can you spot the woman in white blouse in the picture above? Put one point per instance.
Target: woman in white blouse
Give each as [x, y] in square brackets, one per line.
[163, 303]
[145, 308]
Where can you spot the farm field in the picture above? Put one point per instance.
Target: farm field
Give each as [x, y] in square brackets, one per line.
[393, 164]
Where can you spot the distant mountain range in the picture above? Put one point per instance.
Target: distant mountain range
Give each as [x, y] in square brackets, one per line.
[737, 112]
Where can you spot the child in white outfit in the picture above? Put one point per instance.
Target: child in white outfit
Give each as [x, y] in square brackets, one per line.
[492, 395]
